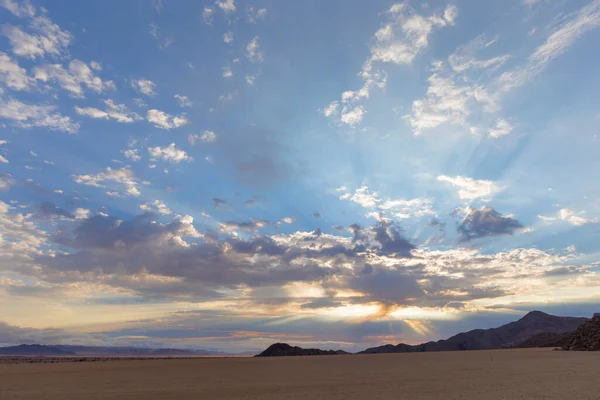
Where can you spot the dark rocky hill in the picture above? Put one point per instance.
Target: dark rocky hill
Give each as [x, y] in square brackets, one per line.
[586, 337]
[545, 340]
[509, 335]
[284, 349]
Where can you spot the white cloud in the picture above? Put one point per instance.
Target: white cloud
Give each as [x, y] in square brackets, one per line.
[570, 216]
[472, 189]
[145, 86]
[255, 15]
[95, 65]
[47, 39]
[250, 79]
[12, 76]
[140, 102]
[405, 36]
[19, 8]
[353, 116]
[206, 137]
[226, 72]
[169, 153]
[72, 80]
[252, 51]
[207, 15]
[33, 116]
[228, 96]
[162, 120]
[226, 5]
[183, 101]
[156, 206]
[464, 59]
[398, 42]
[81, 213]
[162, 41]
[396, 208]
[123, 176]
[118, 112]
[331, 109]
[3, 160]
[501, 128]
[228, 37]
[132, 154]
[571, 28]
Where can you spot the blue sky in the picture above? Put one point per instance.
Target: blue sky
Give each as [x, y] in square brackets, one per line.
[229, 174]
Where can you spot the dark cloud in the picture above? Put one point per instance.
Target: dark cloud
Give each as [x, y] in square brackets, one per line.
[339, 227]
[49, 210]
[393, 286]
[253, 202]
[106, 232]
[486, 222]
[317, 215]
[220, 204]
[322, 302]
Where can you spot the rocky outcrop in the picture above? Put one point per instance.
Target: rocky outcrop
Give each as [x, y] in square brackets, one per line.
[586, 337]
[285, 350]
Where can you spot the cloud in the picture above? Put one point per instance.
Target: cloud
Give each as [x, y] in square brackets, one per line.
[145, 86]
[82, 213]
[220, 204]
[3, 160]
[12, 76]
[132, 154]
[353, 116]
[471, 189]
[226, 72]
[205, 137]
[254, 15]
[162, 41]
[47, 37]
[570, 216]
[79, 74]
[405, 36]
[49, 210]
[501, 128]
[399, 41]
[486, 222]
[36, 116]
[207, 15]
[252, 50]
[464, 58]
[331, 109]
[228, 37]
[395, 208]
[183, 101]
[226, 5]
[162, 120]
[156, 206]
[169, 153]
[122, 176]
[19, 8]
[118, 112]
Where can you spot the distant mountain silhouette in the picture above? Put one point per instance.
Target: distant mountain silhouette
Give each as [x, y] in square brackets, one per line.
[34, 350]
[100, 351]
[586, 337]
[284, 349]
[509, 335]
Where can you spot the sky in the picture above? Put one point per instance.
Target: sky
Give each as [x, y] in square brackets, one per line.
[338, 174]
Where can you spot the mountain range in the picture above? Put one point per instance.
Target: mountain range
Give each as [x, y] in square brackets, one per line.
[68, 350]
[505, 336]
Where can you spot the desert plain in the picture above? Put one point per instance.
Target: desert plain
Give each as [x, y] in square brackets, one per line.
[495, 374]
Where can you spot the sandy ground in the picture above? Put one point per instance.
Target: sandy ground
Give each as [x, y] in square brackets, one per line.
[503, 374]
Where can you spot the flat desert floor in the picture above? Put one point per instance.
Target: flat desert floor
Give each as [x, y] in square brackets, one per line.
[499, 374]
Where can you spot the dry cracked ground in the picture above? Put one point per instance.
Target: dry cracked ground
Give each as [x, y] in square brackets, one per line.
[498, 374]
